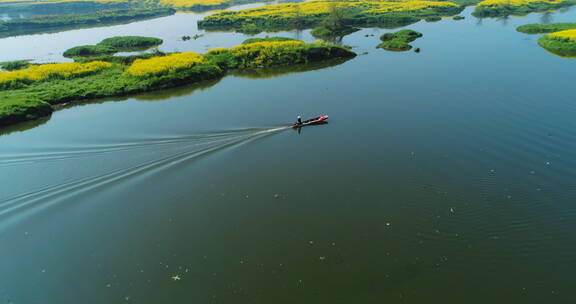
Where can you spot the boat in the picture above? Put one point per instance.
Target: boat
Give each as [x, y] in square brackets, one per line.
[314, 121]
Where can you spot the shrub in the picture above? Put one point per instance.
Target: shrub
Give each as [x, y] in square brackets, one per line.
[399, 41]
[545, 28]
[89, 51]
[15, 65]
[433, 19]
[130, 42]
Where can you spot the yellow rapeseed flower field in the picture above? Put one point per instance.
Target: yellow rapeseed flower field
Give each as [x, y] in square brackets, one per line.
[164, 64]
[516, 2]
[569, 34]
[191, 3]
[263, 53]
[36, 73]
[319, 7]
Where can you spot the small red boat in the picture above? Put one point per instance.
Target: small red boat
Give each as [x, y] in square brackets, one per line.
[314, 121]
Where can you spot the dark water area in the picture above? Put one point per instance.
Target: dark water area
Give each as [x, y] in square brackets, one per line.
[444, 176]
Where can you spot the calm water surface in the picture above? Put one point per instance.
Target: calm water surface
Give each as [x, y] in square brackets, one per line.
[446, 176]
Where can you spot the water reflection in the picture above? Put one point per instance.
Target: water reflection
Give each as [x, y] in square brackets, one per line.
[27, 125]
[178, 91]
[280, 71]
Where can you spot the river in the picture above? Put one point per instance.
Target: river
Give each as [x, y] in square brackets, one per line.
[443, 176]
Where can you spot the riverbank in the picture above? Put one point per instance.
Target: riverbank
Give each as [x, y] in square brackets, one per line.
[502, 8]
[545, 28]
[43, 24]
[34, 91]
[561, 43]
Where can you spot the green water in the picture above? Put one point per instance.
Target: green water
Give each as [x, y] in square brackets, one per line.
[446, 176]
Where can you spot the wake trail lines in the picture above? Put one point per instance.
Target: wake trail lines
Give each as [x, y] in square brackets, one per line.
[14, 208]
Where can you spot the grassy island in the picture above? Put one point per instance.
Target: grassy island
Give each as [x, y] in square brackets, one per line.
[315, 13]
[32, 92]
[561, 43]
[131, 42]
[500, 8]
[399, 41]
[113, 45]
[89, 51]
[51, 23]
[545, 28]
[202, 5]
[14, 65]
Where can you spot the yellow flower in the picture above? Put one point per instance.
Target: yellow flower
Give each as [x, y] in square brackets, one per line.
[191, 3]
[37, 73]
[322, 7]
[568, 34]
[516, 2]
[164, 64]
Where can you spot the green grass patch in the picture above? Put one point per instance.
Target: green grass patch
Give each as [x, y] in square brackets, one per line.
[545, 28]
[327, 33]
[564, 47]
[433, 19]
[14, 65]
[502, 10]
[399, 41]
[89, 51]
[113, 45]
[15, 108]
[269, 39]
[129, 43]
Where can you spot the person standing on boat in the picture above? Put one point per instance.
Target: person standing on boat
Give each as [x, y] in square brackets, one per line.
[299, 119]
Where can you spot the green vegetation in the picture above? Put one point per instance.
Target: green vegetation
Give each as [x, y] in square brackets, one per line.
[124, 60]
[334, 24]
[142, 73]
[329, 16]
[128, 43]
[326, 33]
[71, 21]
[399, 41]
[17, 108]
[433, 19]
[89, 51]
[545, 28]
[559, 45]
[501, 8]
[282, 53]
[113, 45]
[458, 18]
[14, 65]
[267, 39]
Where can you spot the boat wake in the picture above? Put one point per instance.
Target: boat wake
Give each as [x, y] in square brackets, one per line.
[166, 152]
